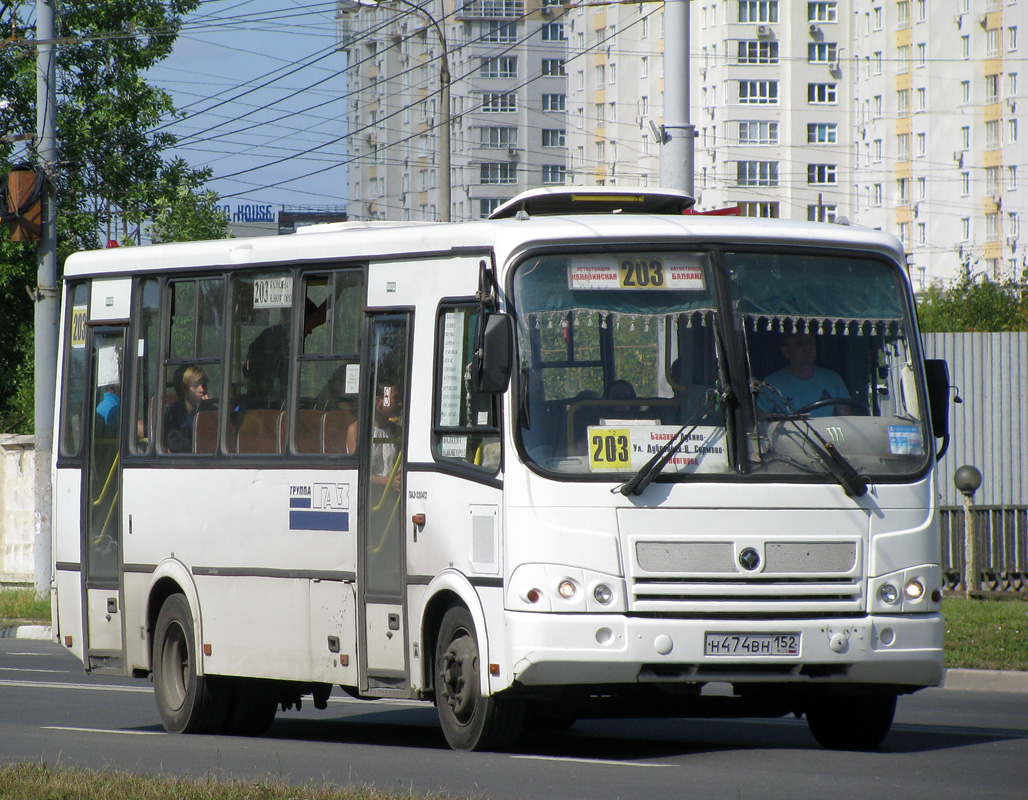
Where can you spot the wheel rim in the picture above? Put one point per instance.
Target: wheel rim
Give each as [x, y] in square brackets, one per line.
[459, 673]
[174, 667]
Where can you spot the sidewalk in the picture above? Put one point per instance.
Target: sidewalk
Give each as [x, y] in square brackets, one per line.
[967, 680]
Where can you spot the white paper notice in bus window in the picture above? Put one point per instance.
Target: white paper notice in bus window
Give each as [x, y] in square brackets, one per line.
[353, 379]
[453, 366]
[273, 292]
[454, 447]
[108, 366]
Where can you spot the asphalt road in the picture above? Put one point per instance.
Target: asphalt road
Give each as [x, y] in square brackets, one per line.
[944, 744]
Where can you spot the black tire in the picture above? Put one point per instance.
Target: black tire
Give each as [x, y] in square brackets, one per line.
[253, 707]
[469, 720]
[851, 723]
[188, 703]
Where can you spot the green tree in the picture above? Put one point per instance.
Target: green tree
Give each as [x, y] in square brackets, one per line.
[112, 180]
[975, 303]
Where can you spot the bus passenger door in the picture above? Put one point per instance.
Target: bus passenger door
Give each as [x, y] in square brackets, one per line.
[101, 513]
[382, 436]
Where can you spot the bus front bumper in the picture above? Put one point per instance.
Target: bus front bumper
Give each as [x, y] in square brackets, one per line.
[582, 649]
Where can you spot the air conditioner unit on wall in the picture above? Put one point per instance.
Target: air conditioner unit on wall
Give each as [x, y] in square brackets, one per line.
[763, 30]
[814, 30]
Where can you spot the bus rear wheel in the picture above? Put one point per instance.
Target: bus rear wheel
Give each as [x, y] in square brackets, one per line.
[469, 720]
[851, 723]
[187, 702]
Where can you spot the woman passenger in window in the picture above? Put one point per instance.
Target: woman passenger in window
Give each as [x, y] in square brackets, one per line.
[190, 384]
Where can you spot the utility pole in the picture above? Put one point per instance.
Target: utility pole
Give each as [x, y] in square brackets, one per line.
[678, 145]
[45, 293]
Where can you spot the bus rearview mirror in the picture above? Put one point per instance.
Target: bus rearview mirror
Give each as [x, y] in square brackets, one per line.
[494, 354]
[937, 375]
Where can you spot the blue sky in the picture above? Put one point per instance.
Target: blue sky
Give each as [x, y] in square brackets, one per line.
[261, 86]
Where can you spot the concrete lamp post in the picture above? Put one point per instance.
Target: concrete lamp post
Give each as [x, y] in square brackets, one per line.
[967, 480]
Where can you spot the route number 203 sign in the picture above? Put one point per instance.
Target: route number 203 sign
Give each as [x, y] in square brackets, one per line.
[681, 271]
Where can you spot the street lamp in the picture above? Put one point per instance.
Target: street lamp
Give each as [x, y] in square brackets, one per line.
[444, 100]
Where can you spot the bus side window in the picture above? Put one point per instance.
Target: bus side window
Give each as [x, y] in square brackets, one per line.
[466, 422]
[192, 377]
[329, 369]
[147, 331]
[74, 381]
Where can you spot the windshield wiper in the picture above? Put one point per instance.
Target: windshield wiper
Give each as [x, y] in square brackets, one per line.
[852, 482]
[652, 468]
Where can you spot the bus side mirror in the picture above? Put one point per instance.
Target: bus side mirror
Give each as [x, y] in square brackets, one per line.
[937, 374]
[493, 356]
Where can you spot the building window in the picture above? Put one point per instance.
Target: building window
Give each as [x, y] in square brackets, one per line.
[823, 12]
[553, 102]
[922, 145]
[965, 228]
[965, 184]
[992, 226]
[965, 137]
[601, 114]
[1012, 39]
[922, 56]
[992, 180]
[499, 102]
[553, 68]
[497, 137]
[757, 52]
[992, 134]
[554, 173]
[500, 172]
[822, 52]
[877, 17]
[877, 62]
[903, 101]
[922, 233]
[821, 93]
[877, 194]
[486, 206]
[822, 212]
[821, 174]
[922, 100]
[965, 47]
[992, 88]
[500, 32]
[765, 210]
[965, 92]
[822, 132]
[502, 67]
[757, 173]
[903, 59]
[1011, 184]
[903, 147]
[758, 92]
[876, 150]
[758, 10]
[757, 132]
[553, 137]
[553, 32]
[903, 14]
[992, 42]
[601, 75]
[903, 190]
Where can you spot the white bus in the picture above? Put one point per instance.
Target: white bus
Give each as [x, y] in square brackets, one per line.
[533, 469]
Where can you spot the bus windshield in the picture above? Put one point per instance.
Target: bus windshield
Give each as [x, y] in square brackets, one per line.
[806, 359]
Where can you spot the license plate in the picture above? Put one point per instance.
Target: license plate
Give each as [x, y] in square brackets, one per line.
[752, 644]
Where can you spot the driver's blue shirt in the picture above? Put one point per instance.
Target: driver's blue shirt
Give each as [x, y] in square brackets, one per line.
[824, 383]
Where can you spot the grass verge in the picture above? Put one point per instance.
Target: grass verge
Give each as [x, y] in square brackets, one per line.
[980, 634]
[35, 781]
[20, 607]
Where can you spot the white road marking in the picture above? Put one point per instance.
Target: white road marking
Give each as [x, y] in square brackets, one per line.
[25, 669]
[89, 687]
[102, 730]
[605, 762]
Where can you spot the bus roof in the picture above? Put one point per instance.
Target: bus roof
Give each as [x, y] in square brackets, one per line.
[503, 236]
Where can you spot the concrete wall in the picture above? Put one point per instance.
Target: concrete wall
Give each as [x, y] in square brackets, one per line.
[17, 508]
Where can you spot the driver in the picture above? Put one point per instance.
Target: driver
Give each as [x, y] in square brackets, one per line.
[802, 382]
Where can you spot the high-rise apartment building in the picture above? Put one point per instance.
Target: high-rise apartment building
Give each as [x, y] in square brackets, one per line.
[508, 96]
[900, 115]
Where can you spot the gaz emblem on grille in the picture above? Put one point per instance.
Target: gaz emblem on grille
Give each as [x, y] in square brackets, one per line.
[749, 559]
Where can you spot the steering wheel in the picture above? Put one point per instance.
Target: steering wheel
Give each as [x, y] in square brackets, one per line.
[824, 402]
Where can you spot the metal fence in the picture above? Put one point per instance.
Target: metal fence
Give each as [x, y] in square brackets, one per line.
[1001, 537]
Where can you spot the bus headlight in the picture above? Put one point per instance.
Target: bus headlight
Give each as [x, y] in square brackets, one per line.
[888, 593]
[603, 594]
[914, 589]
[567, 589]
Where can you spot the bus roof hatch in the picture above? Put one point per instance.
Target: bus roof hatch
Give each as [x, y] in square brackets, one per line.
[594, 200]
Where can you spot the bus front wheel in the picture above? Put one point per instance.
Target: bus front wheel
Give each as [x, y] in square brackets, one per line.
[188, 703]
[851, 723]
[469, 720]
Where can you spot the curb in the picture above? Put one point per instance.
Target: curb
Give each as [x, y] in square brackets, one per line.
[40, 632]
[986, 680]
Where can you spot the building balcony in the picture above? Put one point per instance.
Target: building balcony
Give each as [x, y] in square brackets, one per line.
[491, 9]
